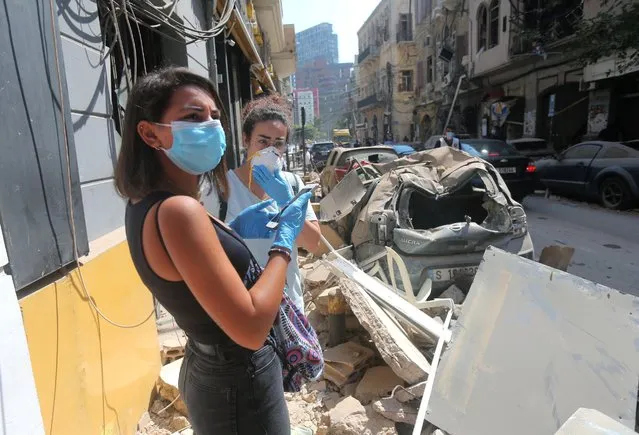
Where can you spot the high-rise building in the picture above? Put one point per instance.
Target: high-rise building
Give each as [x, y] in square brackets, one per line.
[316, 42]
[309, 100]
[332, 81]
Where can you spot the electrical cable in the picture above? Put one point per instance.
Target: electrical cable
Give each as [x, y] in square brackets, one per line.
[70, 185]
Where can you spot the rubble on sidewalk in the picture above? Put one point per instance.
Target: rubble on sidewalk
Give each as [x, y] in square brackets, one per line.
[350, 417]
[377, 382]
[167, 386]
[390, 339]
[171, 350]
[344, 362]
[395, 410]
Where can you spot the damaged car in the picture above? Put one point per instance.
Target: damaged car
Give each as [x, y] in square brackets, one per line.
[431, 216]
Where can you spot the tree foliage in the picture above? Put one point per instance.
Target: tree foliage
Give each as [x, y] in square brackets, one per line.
[614, 31]
[310, 133]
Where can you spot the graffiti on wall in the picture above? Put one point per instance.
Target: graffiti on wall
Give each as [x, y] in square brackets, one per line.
[529, 123]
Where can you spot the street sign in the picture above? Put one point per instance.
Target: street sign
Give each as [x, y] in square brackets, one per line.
[551, 106]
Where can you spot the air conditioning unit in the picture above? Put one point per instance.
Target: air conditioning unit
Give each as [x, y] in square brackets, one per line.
[446, 80]
[465, 60]
[446, 53]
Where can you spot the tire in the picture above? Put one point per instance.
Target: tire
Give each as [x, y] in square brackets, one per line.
[615, 194]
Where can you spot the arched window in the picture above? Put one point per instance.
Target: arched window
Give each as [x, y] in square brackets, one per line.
[482, 27]
[493, 39]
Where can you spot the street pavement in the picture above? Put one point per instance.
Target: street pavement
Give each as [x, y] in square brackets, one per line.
[606, 242]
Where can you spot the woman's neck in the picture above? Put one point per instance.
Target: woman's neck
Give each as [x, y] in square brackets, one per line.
[244, 173]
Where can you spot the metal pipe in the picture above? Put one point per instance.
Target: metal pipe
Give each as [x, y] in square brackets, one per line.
[450, 112]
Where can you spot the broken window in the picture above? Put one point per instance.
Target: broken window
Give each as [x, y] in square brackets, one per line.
[467, 201]
[404, 28]
[482, 27]
[406, 81]
[494, 24]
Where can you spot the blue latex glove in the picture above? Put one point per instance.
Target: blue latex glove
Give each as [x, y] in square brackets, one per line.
[251, 222]
[291, 222]
[274, 184]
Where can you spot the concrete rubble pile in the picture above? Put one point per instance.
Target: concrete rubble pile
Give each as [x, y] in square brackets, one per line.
[373, 380]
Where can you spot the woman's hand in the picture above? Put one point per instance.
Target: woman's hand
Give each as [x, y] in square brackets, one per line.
[274, 184]
[291, 222]
[251, 222]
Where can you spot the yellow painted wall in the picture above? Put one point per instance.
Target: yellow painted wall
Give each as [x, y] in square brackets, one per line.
[92, 377]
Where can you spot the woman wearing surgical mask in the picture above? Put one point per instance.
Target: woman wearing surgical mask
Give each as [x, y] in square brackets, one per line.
[196, 266]
[265, 128]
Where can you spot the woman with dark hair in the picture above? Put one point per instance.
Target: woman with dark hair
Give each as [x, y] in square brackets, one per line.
[266, 127]
[197, 267]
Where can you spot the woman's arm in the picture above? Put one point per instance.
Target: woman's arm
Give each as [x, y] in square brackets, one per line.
[309, 238]
[195, 250]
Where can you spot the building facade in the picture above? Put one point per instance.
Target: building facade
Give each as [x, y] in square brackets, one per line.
[317, 42]
[386, 74]
[79, 350]
[309, 100]
[332, 81]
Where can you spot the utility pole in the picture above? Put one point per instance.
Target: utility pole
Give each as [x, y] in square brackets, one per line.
[303, 114]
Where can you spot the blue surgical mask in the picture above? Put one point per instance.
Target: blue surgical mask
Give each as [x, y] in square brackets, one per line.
[197, 147]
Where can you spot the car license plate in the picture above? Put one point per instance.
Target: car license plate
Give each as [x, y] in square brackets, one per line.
[507, 170]
[450, 273]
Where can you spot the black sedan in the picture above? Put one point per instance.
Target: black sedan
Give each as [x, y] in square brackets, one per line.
[608, 171]
[516, 169]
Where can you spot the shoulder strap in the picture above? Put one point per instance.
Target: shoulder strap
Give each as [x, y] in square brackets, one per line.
[223, 209]
[157, 226]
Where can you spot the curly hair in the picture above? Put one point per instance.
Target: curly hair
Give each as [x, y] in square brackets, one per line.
[273, 107]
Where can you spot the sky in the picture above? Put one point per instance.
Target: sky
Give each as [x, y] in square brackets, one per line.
[346, 16]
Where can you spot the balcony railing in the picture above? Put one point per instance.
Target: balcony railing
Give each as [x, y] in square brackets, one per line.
[371, 100]
[371, 52]
[363, 55]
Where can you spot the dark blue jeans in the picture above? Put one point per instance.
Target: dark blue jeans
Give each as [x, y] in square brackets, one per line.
[234, 391]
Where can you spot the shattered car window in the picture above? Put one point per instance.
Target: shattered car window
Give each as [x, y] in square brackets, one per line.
[378, 156]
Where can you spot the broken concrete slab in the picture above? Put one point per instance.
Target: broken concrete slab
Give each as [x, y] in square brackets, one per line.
[532, 345]
[395, 410]
[592, 422]
[410, 393]
[317, 276]
[453, 292]
[167, 385]
[322, 300]
[349, 417]
[343, 361]
[377, 382]
[394, 346]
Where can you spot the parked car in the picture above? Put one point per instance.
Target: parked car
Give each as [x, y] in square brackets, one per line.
[319, 153]
[608, 171]
[343, 160]
[533, 147]
[517, 170]
[437, 223]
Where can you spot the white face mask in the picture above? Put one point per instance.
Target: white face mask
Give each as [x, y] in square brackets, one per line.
[268, 157]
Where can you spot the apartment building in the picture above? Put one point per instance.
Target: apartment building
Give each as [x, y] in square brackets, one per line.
[317, 42]
[309, 100]
[521, 66]
[386, 74]
[441, 39]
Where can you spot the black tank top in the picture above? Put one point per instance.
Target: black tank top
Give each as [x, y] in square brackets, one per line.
[176, 296]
